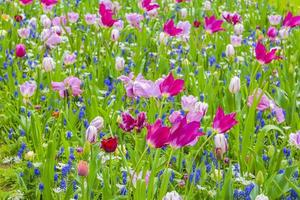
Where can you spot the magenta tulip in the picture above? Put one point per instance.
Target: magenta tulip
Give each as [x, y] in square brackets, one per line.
[223, 123]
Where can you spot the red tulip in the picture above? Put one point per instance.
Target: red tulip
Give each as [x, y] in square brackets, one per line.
[18, 18]
[110, 144]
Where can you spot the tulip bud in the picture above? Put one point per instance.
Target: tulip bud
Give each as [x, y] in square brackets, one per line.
[238, 29]
[259, 178]
[97, 122]
[91, 134]
[197, 23]
[271, 151]
[207, 6]
[110, 144]
[284, 33]
[221, 145]
[48, 64]
[274, 19]
[46, 22]
[235, 85]
[188, 102]
[20, 50]
[236, 40]
[229, 50]
[29, 155]
[183, 12]
[120, 63]
[83, 168]
[115, 34]
[163, 38]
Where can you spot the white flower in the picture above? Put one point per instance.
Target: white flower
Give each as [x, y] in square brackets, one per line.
[261, 197]
[172, 196]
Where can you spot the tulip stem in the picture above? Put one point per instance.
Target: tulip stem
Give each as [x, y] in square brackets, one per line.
[136, 168]
[201, 147]
[171, 153]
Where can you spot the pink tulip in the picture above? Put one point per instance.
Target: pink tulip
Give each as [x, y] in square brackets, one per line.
[134, 19]
[223, 123]
[157, 134]
[264, 102]
[26, 2]
[83, 168]
[188, 102]
[274, 19]
[49, 2]
[140, 87]
[197, 113]
[272, 33]
[183, 133]
[213, 25]
[73, 17]
[232, 18]
[106, 15]
[175, 117]
[186, 27]
[91, 134]
[90, 19]
[170, 86]
[295, 139]
[149, 5]
[53, 40]
[221, 145]
[27, 89]
[20, 50]
[170, 29]
[24, 32]
[69, 84]
[291, 21]
[263, 56]
[129, 123]
[69, 58]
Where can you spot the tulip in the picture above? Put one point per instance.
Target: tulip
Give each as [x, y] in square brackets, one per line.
[229, 52]
[294, 139]
[170, 86]
[91, 134]
[157, 134]
[221, 145]
[183, 12]
[171, 29]
[291, 21]
[69, 59]
[90, 19]
[27, 89]
[274, 19]
[24, 32]
[197, 23]
[149, 5]
[49, 2]
[207, 5]
[284, 33]
[264, 101]
[73, 17]
[26, 2]
[98, 122]
[183, 133]
[238, 29]
[172, 196]
[263, 56]
[197, 113]
[110, 144]
[120, 63]
[175, 117]
[261, 197]
[232, 18]
[223, 123]
[106, 15]
[70, 83]
[188, 102]
[115, 34]
[134, 19]
[20, 50]
[235, 85]
[236, 40]
[212, 25]
[82, 168]
[272, 33]
[48, 64]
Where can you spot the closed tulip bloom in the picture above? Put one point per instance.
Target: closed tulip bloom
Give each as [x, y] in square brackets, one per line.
[91, 134]
[69, 59]
[238, 29]
[109, 145]
[221, 145]
[236, 40]
[134, 19]
[175, 117]
[188, 102]
[235, 85]
[82, 168]
[229, 50]
[26, 2]
[172, 196]
[73, 17]
[272, 33]
[20, 50]
[48, 64]
[284, 33]
[295, 139]
[115, 34]
[49, 2]
[120, 63]
[274, 19]
[24, 32]
[98, 122]
[197, 113]
[207, 5]
[90, 18]
[183, 12]
[222, 122]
